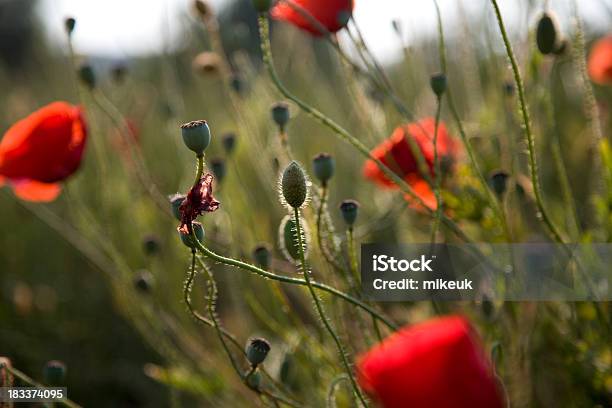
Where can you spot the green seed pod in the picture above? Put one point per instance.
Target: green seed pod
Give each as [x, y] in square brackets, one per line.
[187, 239]
[349, 210]
[217, 165]
[254, 380]
[294, 185]
[228, 141]
[323, 166]
[87, 76]
[547, 33]
[262, 6]
[499, 182]
[288, 240]
[69, 25]
[196, 135]
[262, 256]
[438, 84]
[175, 202]
[143, 281]
[280, 114]
[256, 351]
[54, 373]
[151, 244]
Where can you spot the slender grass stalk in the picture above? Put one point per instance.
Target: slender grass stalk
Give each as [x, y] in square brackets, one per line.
[321, 311]
[437, 173]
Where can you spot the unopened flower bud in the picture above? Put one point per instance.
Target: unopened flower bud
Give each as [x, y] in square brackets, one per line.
[262, 6]
[438, 84]
[151, 244]
[349, 210]
[229, 142]
[547, 33]
[237, 84]
[280, 114]
[288, 240]
[143, 282]
[499, 180]
[217, 165]
[54, 373]
[256, 351]
[188, 239]
[87, 76]
[196, 135]
[262, 256]
[294, 185]
[175, 203]
[69, 25]
[323, 167]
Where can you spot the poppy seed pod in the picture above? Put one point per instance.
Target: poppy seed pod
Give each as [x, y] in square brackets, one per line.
[323, 166]
[229, 142]
[547, 33]
[438, 84]
[175, 203]
[54, 373]
[262, 256]
[196, 136]
[87, 76]
[294, 185]
[69, 25]
[262, 6]
[288, 239]
[217, 165]
[498, 180]
[256, 351]
[349, 210]
[280, 114]
[151, 244]
[237, 84]
[143, 282]
[187, 239]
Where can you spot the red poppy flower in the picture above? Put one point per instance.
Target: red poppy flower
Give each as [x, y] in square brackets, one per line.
[439, 363]
[331, 14]
[41, 150]
[396, 153]
[600, 61]
[199, 200]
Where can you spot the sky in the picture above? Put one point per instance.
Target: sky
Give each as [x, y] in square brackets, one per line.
[123, 28]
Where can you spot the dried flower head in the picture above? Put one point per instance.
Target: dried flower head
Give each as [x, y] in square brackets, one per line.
[257, 349]
[199, 200]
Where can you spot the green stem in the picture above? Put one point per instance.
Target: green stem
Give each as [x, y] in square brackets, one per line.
[437, 173]
[199, 169]
[352, 254]
[321, 311]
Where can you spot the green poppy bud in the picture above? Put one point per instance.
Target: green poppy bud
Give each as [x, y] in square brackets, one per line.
[143, 282]
[547, 33]
[349, 210]
[217, 165]
[87, 76]
[280, 114]
[294, 185]
[256, 351]
[69, 25]
[262, 256]
[498, 181]
[151, 244]
[54, 373]
[237, 84]
[323, 166]
[196, 135]
[508, 88]
[288, 239]
[187, 239]
[262, 6]
[175, 203]
[438, 84]
[229, 142]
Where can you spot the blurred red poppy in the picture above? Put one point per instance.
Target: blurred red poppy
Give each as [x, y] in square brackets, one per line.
[600, 61]
[438, 363]
[331, 14]
[396, 153]
[41, 150]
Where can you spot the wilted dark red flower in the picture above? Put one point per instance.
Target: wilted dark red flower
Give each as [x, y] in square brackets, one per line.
[331, 14]
[439, 363]
[396, 153]
[600, 61]
[41, 150]
[199, 200]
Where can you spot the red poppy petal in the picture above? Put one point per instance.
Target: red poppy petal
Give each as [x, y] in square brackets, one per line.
[30, 190]
[424, 192]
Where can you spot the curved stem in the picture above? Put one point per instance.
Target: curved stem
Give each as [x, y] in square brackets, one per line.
[333, 386]
[321, 311]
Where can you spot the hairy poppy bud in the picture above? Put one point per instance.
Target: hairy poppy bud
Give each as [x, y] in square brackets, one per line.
[87, 76]
[262, 6]
[288, 241]
[54, 372]
[294, 185]
[175, 203]
[280, 114]
[151, 244]
[547, 33]
[349, 210]
[69, 25]
[262, 256]
[498, 180]
[217, 165]
[323, 167]
[229, 142]
[196, 135]
[143, 281]
[438, 84]
[256, 351]
[188, 239]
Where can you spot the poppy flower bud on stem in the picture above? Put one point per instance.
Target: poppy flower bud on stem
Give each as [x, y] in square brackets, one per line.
[438, 84]
[187, 239]
[54, 372]
[143, 282]
[499, 181]
[196, 136]
[262, 256]
[69, 25]
[262, 6]
[323, 166]
[349, 210]
[87, 76]
[256, 351]
[280, 115]
[294, 185]
[547, 34]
